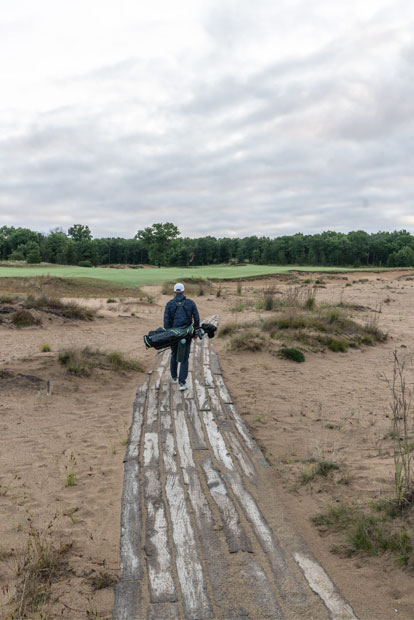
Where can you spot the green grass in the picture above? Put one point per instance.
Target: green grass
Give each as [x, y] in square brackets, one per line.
[140, 277]
[364, 531]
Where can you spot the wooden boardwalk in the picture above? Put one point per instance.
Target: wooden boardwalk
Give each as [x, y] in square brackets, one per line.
[195, 543]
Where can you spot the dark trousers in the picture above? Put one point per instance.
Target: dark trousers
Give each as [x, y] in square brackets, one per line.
[182, 377]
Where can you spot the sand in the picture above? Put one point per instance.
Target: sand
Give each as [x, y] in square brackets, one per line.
[335, 405]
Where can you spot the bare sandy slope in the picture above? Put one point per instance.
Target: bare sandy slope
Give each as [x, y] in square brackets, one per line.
[335, 405]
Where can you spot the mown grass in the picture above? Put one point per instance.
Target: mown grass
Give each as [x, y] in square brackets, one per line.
[81, 362]
[151, 276]
[369, 530]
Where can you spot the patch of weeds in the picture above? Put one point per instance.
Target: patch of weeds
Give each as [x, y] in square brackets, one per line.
[8, 299]
[55, 306]
[45, 348]
[43, 563]
[366, 532]
[24, 318]
[338, 345]
[321, 468]
[118, 362]
[81, 362]
[111, 301]
[247, 341]
[101, 580]
[70, 479]
[218, 292]
[293, 354]
[239, 307]
[239, 289]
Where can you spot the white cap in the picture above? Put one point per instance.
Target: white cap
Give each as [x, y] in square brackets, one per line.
[178, 288]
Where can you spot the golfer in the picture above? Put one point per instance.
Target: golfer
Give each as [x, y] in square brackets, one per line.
[180, 312]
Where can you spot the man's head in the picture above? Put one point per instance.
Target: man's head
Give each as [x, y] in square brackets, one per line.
[179, 288]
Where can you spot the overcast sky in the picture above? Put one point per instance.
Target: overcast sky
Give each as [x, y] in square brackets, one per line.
[227, 117]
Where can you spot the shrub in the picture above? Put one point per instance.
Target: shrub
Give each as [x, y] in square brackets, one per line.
[111, 301]
[45, 348]
[85, 263]
[24, 318]
[338, 345]
[247, 341]
[290, 353]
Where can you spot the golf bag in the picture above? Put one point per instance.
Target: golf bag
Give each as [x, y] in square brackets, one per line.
[161, 338]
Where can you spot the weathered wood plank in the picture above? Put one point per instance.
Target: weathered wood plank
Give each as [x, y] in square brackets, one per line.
[197, 365]
[127, 604]
[164, 396]
[214, 363]
[189, 392]
[202, 398]
[245, 434]
[131, 563]
[260, 590]
[217, 442]
[222, 390]
[183, 444]
[197, 434]
[287, 583]
[158, 554]
[152, 411]
[196, 601]
[236, 537]
[132, 451]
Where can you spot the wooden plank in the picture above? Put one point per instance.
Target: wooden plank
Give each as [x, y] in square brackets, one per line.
[164, 396]
[260, 590]
[195, 598]
[222, 390]
[217, 442]
[288, 585]
[236, 537]
[183, 444]
[170, 611]
[197, 434]
[132, 451]
[214, 363]
[208, 377]
[245, 434]
[158, 554]
[201, 393]
[197, 365]
[127, 605]
[152, 411]
[189, 392]
[216, 407]
[131, 563]
[323, 586]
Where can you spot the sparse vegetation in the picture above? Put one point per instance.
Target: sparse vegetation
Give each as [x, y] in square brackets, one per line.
[45, 348]
[193, 287]
[293, 354]
[364, 531]
[81, 362]
[297, 319]
[42, 563]
[24, 318]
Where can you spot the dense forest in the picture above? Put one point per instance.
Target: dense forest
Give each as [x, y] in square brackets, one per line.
[162, 245]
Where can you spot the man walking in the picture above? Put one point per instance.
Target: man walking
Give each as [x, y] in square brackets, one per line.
[180, 312]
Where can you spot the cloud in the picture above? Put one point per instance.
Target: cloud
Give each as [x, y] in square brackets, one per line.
[227, 142]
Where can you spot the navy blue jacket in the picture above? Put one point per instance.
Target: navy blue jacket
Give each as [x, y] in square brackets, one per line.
[180, 312]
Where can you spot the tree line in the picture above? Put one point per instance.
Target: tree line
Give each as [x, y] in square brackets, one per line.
[162, 245]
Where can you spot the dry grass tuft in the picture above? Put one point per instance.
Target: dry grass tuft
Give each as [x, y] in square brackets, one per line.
[81, 362]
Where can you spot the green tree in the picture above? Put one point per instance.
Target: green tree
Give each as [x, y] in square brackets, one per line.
[33, 252]
[78, 232]
[158, 240]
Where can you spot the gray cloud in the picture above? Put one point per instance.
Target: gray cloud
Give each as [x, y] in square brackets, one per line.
[313, 142]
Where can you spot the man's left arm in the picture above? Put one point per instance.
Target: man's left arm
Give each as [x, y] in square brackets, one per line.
[196, 316]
